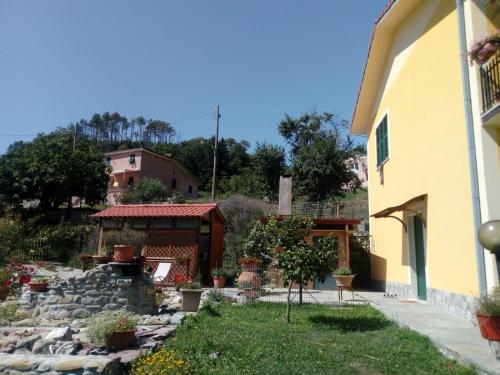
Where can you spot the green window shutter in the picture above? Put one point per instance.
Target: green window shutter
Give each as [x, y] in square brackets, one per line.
[382, 141]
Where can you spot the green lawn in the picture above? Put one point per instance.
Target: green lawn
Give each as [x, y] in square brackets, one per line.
[254, 339]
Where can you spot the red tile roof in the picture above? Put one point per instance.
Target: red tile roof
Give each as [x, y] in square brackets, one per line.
[158, 210]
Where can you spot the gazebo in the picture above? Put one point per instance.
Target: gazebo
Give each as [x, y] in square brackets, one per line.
[194, 231]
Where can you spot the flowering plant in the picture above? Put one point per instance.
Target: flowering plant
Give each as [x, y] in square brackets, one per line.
[103, 324]
[164, 361]
[16, 275]
[181, 279]
[481, 50]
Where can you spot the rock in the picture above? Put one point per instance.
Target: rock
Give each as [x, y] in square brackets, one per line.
[8, 349]
[214, 355]
[27, 342]
[111, 306]
[4, 323]
[42, 346]
[52, 300]
[44, 367]
[65, 347]
[60, 334]
[25, 323]
[4, 342]
[63, 314]
[177, 317]
[80, 314]
[21, 364]
[88, 301]
[70, 364]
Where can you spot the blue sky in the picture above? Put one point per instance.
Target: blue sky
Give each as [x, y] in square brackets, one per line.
[63, 60]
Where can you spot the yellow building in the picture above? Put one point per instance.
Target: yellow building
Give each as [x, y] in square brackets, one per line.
[433, 126]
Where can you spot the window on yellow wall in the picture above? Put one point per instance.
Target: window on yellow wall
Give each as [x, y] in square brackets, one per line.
[382, 142]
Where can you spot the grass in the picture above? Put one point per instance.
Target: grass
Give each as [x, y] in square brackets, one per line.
[254, 339]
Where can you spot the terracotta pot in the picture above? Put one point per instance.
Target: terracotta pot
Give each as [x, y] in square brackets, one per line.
[344, 281]
[38, 286]
[191, 299]
[124, 253]
[489, 326]
[4, 292]
[219, 282]
[101, 259]
[249, 278]
[120, 340]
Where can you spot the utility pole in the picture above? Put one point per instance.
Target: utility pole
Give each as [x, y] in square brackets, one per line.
[214, 174]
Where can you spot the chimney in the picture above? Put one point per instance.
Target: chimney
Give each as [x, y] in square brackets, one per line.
[285, 198]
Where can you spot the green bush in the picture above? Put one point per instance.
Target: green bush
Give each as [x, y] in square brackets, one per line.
[105, 323]
[13, 241]
[63, 242]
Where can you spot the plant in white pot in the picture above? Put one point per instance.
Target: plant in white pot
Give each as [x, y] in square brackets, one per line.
[191, 295]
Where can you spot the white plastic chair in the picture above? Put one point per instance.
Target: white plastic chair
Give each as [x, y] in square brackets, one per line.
[161, 274]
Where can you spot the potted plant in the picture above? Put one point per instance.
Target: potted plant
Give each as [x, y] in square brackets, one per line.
[39, 285]
[488, 315]
[124, 243]
[113, 329]
[250, 277]
[482, 50]
[219, 275]
[105, 255]
[191, 295]
[343, 277]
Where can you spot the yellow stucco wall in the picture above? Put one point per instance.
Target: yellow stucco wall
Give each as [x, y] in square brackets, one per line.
[427, 154]
[492, 13]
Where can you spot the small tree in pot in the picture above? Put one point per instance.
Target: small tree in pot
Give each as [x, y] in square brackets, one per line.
[488, 315]
[125, 243]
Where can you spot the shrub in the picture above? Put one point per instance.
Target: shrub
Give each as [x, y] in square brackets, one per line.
[13, 240]
[215, 295]
[149, 190]
[103, 324]
[9, 311]
[489, 304]
[164, 362]
[126, 236]
[240, 213]
[219, 272]
[62, 241]
[343, 271]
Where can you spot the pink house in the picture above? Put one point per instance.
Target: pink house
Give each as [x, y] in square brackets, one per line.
[359, 165]
[129, 166]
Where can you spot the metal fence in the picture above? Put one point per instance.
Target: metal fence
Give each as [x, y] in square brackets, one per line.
[265, 284]
[490, 82]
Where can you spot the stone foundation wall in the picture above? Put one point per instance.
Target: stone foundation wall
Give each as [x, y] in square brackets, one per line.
[107, 287]
[455, 303]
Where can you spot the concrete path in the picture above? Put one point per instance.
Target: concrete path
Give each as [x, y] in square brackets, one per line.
[453, 335]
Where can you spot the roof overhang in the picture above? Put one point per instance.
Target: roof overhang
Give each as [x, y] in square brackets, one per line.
[407, 206]
[382, 37]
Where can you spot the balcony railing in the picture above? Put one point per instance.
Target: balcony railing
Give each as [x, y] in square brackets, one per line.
[490, 82]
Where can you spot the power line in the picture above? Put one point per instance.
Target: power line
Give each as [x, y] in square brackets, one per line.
[191, 116]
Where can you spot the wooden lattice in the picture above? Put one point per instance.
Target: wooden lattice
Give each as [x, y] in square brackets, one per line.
[166, 245]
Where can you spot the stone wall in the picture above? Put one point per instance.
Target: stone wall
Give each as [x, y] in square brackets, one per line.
[107, 287]
[458, 304]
